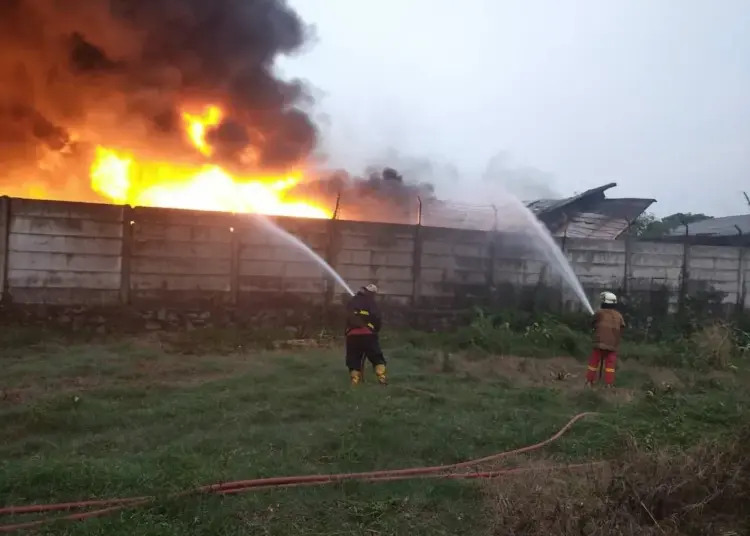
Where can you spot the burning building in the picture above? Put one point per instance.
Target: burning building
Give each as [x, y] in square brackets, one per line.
[169, 104]
[176, 104]
[155, 103]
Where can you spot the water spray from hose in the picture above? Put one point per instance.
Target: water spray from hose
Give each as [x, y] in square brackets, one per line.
[299, 244]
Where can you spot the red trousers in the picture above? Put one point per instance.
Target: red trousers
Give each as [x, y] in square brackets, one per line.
[608, 357]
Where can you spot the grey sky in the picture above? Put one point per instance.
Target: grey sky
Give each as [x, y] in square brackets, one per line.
[651, 94]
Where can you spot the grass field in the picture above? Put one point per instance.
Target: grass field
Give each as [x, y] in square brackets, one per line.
[132, 417]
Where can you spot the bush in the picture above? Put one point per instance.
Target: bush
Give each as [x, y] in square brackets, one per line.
[713, 345]
[537, 338]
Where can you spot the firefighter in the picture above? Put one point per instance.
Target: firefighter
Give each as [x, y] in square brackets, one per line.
[362, 335]
[608, 326]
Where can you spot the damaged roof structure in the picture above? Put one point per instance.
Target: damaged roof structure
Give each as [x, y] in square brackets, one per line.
[586, 215]
[590, 214]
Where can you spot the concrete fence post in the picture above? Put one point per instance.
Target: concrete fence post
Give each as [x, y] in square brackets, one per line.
[745, 270]
[128, 222]
[740, 305]
[490, 275]
[234, 261]
[685, 272]
[563, 244]
[627, 271]
[491, 260]
[416, 264]
[5, 203]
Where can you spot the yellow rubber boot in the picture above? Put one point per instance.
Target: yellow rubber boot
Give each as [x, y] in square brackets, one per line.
[356, 377]
[380, 373]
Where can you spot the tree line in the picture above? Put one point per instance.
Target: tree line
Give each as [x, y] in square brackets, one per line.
[648, 226]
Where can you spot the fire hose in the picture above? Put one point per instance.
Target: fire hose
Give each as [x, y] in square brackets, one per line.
[108, 506]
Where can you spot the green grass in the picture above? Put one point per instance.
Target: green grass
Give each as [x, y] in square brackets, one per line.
[114, 419]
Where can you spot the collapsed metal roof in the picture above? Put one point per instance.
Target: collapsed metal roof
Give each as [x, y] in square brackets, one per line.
[607, 220]
[586, 215]
[590, 214]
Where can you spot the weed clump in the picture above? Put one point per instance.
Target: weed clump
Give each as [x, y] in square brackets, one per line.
[705, 490]
[715, 344]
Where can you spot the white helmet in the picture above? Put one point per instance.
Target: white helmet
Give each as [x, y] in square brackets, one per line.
[608, 297]
[373, 288]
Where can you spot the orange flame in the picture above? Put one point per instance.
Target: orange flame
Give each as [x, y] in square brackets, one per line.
[123, 179]
[197, 125]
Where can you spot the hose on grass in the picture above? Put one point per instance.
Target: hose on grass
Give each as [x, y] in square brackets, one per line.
[451, 471]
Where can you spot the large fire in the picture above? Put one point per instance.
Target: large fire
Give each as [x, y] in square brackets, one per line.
[123, 179]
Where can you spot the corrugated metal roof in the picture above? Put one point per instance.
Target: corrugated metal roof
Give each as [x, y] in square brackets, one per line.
[541, 205]
[608, 219]
[727, 226]
[568, 200]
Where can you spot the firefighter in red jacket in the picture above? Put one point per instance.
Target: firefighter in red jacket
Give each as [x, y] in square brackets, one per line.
[362, 335]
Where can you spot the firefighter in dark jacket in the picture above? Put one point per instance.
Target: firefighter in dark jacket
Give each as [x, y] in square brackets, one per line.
[362, 335]
[608, 326]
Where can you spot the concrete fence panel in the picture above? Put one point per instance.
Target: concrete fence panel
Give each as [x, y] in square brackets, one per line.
[379, 253]
[63, 253]
[270, 264]
[179, 255]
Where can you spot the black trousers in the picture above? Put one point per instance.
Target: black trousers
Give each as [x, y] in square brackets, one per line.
[361, 347]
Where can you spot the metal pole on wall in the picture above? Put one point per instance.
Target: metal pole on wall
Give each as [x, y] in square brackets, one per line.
[336, 207]
[331, 254]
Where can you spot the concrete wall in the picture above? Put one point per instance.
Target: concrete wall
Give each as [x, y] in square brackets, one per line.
[62, 252]
[183, 256]
[76, 253]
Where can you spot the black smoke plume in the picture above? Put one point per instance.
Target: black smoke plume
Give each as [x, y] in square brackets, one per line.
[379, 194]
[78, 73]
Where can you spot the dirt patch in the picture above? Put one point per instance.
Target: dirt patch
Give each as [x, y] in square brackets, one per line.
[530, 371]
[557, 372]
[564, 373]
[524, 371]
[658, 375]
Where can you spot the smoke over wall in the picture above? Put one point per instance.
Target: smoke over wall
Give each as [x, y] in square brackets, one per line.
[449, 197]
[118, 73]
[525, 182]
